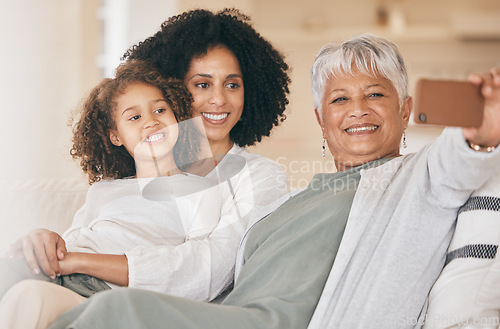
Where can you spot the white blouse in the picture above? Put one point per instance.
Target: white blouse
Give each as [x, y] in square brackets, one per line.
[179, 233]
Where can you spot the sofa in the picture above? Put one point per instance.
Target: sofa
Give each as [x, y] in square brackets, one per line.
[28, 204]
[466, 293]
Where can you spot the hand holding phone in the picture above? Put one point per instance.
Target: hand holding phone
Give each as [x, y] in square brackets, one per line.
[448, 103]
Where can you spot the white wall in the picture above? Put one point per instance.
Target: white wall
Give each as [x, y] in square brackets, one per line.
[45, 55]
[127, 22]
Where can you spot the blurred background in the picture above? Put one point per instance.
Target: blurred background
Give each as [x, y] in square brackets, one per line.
[53, 52]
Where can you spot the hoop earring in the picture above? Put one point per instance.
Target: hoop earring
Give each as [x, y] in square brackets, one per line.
[404, 139]
[323, 149]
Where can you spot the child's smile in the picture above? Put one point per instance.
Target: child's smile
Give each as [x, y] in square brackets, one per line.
[146, 126]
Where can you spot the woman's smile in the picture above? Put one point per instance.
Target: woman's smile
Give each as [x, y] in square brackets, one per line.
[215, 118]
[361, 129]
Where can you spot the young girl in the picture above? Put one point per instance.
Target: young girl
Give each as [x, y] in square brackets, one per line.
[133, 133]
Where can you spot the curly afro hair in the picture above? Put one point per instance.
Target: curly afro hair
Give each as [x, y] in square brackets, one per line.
[189, 35]
[99, 158]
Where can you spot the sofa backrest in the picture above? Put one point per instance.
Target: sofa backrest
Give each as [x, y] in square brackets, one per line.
[30, 204]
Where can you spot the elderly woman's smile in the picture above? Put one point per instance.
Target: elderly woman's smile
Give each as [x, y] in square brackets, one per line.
[361, 129]
[361, 118]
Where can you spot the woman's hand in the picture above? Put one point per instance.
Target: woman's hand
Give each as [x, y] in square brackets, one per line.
[488, 134]
[43, 249]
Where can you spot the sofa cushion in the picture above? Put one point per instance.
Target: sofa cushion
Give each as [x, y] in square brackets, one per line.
[467, 293]
[29, 204]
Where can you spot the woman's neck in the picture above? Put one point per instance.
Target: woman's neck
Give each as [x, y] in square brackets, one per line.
[220, 149]
[210, 155]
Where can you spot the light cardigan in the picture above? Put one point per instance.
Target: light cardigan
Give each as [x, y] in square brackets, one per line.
[397, 234]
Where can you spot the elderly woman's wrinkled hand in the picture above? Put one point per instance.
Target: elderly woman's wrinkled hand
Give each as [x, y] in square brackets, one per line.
[488, 134]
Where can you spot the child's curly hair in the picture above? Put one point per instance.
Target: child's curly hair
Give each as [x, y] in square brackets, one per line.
[100, 159]
[265, 77]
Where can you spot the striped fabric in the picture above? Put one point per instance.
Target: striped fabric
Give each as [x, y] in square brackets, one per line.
[467, 293]
[475, 203]
[473, 251]
[481, 203]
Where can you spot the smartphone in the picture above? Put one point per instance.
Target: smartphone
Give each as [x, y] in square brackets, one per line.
[448, 103]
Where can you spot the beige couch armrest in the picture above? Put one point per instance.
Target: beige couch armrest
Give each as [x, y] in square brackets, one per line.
[29, 204]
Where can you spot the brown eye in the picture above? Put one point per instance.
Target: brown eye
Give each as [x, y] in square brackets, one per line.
[338, 100]
[202, 85]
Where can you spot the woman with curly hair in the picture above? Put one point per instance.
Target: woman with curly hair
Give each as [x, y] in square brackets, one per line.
[185, 42]
[132, 134]
[239, 85]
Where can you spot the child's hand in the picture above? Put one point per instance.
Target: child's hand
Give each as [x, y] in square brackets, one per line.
[43, 249]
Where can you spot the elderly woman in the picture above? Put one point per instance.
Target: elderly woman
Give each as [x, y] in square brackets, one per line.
[359, 248]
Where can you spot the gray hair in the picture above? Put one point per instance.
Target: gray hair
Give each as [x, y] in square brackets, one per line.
[368, 53]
